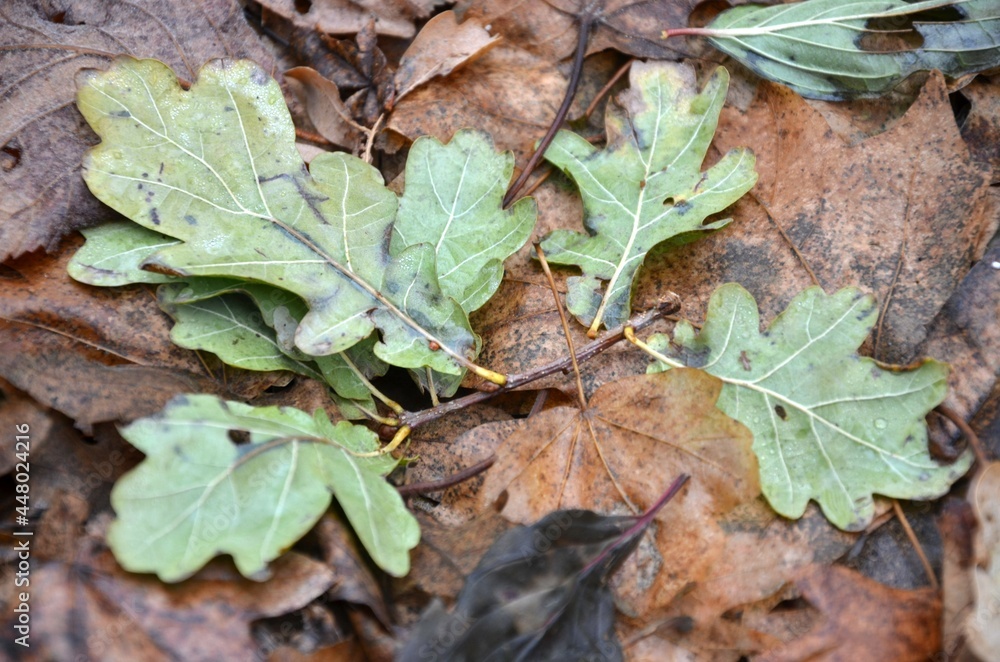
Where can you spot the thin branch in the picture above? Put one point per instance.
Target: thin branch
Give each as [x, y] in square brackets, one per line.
[562, 319]
[901, 516]
[415, 419]
[607, 88]
[586, 22]
[450, 481]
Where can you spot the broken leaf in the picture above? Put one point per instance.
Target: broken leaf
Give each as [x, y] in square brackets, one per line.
[198, 494]
[645, 187]
[828, 425]
[181, 163]
[981, 625]
[821, 49]
[539, 592]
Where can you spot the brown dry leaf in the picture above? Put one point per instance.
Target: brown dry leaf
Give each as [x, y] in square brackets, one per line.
[439, 48]
[507, 92]
[957, 525]
[864, 620]
[323, 105]
[394, 18]
[901, 215]
[981, 128]
[616, 457]
[43, 136]
[89, 608]
[982, 628]
[549, 28]
[355, 582]
[18, 409]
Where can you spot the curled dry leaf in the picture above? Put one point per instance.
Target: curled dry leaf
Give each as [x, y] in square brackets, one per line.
[42, 136]
[440, 47]
[324, 107]
[616, 457]
[901, 214]
[982, 626]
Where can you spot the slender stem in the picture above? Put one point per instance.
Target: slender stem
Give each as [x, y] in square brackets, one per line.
[586, 22]
[415, 419]
[607, 88]
[388, 402]
[969, 434]
[314, 138]
[915, 542]
[450, 481]
[401, 435]
[562, 319]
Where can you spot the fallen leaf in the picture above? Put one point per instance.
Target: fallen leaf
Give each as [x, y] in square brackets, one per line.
[957, 524]
[392, 18]
[828, 425]
[826, 49]
[981, 128]
[440, 47]
[901, 215]
[549, 29]
[981, 626]
[42, 136]
[166, 188]
[613, 458]
[490, 94]
[645, 187]
[252, 501]
[864, 620]
[356, 582]
[323, 105]
[18, 409]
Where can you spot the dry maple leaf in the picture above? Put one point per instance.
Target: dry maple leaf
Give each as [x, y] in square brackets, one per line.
[42, 136]
[616, 457]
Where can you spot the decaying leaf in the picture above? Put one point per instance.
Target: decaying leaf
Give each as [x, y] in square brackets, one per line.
[828, 49]
[539, 592]
[615, 457]
[864, 620]
[351, 16]
[168, 161]
[442, 45]
[828, 425]
[198, 494]
[645, 187]
[41, 134]
[327, 112]
[982, 626]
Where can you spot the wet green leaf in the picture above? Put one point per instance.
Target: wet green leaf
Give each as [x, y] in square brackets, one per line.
[831, 49]
[226, 478]
[828, 425]
[645, 187]
[216, 167]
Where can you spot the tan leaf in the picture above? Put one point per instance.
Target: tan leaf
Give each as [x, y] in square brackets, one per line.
[326, 111]
[394, 17]
[617, 457]
[983, 625]
[440, 47]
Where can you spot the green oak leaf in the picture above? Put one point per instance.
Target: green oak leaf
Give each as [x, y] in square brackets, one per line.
[818, 47]
[828, 425]
[216, 167]
[197, 494]
[114, 253]
[452, 201]
[645, 187]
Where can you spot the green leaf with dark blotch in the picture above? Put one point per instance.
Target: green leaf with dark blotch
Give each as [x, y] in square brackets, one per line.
[645, 187]
[452, 201]
[114, 253]
[828, 425]
[276, 316]
[199, 494]
[829, 49]
[539, 593]
[217, 168]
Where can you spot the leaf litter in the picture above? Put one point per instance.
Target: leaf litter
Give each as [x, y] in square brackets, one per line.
[743, 616]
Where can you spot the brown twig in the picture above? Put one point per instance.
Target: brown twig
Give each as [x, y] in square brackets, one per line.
[607, 88]
[452, 480]
[901, 516]
[415, 419]
[314, 138]
[967, 432]
[565, 326]
[586, 22]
